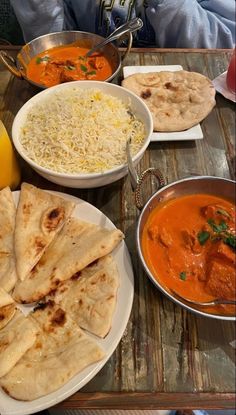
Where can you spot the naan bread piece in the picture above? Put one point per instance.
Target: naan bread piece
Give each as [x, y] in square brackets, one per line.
[8, 274]
[61, 351]
[177, 100]
[15, 339]
[5, 298]
[7, 308]
[76, 246]
[39, 217]
[89, 297]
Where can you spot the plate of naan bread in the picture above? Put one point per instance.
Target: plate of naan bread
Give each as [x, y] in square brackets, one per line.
[66, 293]
[178, 100]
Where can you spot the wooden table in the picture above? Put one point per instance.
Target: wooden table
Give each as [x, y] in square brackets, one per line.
[168, 357]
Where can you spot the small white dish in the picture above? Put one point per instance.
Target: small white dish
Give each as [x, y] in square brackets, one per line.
[193, 133]
[220, 85]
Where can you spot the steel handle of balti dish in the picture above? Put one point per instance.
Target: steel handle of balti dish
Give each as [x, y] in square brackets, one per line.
[137, 181]
[129, 46]
[10, 64]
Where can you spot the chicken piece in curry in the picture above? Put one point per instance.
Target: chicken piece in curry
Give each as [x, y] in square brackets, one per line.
[67, 63]
[189, 245]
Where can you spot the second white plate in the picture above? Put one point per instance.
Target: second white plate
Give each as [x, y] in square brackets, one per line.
[194, 133]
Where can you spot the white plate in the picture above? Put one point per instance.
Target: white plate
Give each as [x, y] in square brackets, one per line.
[193, 133]
[87, 212]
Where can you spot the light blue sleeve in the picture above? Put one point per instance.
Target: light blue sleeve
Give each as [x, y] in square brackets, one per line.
[38, 17]
[193, 23]
[177, 23]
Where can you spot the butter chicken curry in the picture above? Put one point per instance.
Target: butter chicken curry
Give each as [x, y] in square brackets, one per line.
[189, 245]
[67, 63]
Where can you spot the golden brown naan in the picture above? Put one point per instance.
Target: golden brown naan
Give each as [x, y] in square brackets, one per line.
[60, 351]
[76, 246]
[8, 275]
[89, 297]
[7, 308]
[39, 217]
[15, 339]
[177, 100]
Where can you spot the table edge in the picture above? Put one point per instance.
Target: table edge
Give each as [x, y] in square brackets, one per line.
[146, 400]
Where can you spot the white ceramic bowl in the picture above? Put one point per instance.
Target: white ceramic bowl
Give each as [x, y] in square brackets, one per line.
[139, 108]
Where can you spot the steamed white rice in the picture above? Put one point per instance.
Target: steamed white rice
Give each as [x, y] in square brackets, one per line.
[80, 131]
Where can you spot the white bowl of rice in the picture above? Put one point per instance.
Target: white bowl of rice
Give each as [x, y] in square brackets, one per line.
[74, 134]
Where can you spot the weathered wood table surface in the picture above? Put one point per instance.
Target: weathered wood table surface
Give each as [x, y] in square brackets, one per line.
[168, 357]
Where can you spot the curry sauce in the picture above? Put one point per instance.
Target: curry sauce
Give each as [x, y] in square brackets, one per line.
[189, 246]
[67, 63]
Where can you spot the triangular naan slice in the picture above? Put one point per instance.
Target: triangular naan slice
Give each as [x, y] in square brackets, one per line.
[39, 217]
[15, 339]
[76, 246]
[7, 308]
[8, 275]
[89, 297]
[61, 351]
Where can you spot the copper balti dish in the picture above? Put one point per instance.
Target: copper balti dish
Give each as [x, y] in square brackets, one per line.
[83, 39]
[216, 186]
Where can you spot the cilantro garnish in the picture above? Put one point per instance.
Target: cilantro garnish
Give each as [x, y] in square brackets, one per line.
[44, 59]
[217, 228]
[230, 240]
[183, 275]
[203, 236]
[83, 68]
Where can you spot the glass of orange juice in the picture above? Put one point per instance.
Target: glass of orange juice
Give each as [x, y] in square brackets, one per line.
[9, 167]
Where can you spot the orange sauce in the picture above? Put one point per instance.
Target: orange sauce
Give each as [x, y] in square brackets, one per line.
[67, 63]
[189, 245]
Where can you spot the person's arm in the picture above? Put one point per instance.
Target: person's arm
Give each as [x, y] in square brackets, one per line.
[193, 23]
[38, 17]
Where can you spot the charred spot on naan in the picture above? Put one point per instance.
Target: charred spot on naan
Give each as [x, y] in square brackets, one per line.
[27, 208]
[39, 245]
[58, 318]
[170, 85]
[76, 276]
[6, 312]
[35, 269]
[52, 218]
[4, 253]
[43, 304]
[146, 94]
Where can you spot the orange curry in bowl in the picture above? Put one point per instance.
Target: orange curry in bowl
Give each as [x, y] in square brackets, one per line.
[67, 63]
[189, 246]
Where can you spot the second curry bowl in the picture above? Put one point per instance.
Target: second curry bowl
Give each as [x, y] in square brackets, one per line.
[210, 240]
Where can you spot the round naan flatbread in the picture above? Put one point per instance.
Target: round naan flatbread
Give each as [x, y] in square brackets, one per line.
[177, 100]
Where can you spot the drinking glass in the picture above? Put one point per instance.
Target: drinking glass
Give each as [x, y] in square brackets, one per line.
[231, 73]
[9, 167]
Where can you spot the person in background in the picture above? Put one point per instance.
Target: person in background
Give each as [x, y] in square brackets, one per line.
[167, 23]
